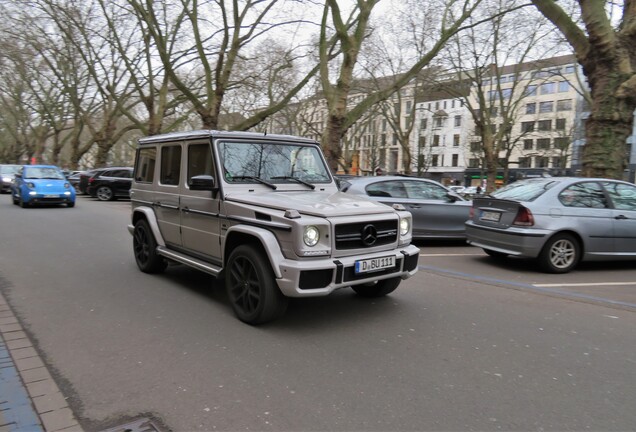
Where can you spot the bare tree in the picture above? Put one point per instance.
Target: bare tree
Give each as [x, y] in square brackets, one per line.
[603, 42]
[350, 34]
[480, 58]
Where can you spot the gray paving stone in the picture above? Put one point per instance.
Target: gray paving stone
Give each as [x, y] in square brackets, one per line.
[58, 419]
[49, 402]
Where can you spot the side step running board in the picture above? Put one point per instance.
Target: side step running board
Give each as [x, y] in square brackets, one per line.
[189, 261]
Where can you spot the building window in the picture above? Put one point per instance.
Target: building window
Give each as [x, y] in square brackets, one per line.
[528, 144]
[531, 108]
[435, 160]
[543, 143]
[560, 124]
[422, 142]
[475, 146]
[545, 125]
[564, 105]
[569, 69]
[541, 162]
[439, 122]
[408, 107]
[562, 143]
[556, 162]
[524, 162]
[455, 161]
[527, 126]
[435, 141]
[423, 123]
[456, 140]
[458, 121]
[564, 86]
[548, 88]
[546, 106]
[473, 163]
[531, 90]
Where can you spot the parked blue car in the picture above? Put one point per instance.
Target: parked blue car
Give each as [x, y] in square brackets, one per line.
[42, 184]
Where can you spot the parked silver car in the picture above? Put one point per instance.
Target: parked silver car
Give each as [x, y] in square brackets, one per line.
[437, 211]
[560, 221]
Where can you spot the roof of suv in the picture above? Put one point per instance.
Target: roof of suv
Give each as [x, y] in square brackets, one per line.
[220, 134]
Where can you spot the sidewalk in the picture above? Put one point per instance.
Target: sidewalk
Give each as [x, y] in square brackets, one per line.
[30, 400]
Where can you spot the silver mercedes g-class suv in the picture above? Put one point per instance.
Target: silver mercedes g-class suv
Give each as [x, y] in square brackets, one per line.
[264, 214]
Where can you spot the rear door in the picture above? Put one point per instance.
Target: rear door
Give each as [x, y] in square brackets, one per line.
[623, 197]
[166, 199]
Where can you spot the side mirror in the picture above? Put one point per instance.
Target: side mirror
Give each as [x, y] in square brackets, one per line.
[202, 182]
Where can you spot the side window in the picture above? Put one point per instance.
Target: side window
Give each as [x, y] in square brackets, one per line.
[425, 190]
[170, 165]
[393, 189]
[586, 194]
[199, 160]
[623, 195]
[145, 166]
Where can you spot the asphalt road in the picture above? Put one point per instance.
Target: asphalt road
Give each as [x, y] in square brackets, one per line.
[466, 344]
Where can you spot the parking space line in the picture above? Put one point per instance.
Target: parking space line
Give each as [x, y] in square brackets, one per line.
[585, 284]
[553, 291]
[449, 255]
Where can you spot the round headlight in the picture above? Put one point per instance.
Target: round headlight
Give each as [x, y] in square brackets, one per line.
[311, 236]
[405, 226]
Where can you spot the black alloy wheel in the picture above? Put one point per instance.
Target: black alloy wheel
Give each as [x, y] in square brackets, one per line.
[251, 286]
[145, 249]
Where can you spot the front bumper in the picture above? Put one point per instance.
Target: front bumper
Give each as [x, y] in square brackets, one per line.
[321, 277]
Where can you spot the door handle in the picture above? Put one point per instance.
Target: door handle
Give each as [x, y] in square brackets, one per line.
[415, 206]
[621, 217]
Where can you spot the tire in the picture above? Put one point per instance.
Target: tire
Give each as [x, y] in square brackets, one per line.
[15, 200]
[496, 255]
[251, 287]
[377, 289]
[23, 204]
[145, 249]
[560, 254]
[104, 193]
[70, 204]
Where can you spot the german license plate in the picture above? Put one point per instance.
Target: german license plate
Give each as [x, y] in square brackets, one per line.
[374, 264]
[51, 196]
[490, 216]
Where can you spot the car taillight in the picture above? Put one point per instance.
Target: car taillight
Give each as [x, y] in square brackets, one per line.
[524, 217]
[91, 179]
[471, 212]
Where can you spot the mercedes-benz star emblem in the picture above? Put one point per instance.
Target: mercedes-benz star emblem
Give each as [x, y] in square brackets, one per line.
[369, 235]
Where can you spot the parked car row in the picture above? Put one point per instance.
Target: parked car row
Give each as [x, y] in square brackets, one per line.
[558, 221]
[27, 184]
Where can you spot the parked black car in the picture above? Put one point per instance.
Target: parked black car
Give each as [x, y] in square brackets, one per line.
[110, 183]
[82, 184]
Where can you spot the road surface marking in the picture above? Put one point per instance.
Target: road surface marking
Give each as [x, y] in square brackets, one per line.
[585, 284]
[456, 254]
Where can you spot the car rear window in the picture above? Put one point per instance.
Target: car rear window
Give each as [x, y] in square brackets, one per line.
[524, 190]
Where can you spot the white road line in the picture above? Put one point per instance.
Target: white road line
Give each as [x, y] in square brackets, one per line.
[584, 284]
[445, 255]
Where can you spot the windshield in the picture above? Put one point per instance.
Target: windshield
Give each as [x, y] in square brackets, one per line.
[9, 169]
[246, 162]
[524, 190]
[42, 173]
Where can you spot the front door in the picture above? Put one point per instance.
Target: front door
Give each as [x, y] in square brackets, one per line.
[200, 227]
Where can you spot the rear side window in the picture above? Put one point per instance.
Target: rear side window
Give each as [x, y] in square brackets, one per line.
[170, 165]
[145, 166]
[623, 195]
[392, 189]
[586, 194]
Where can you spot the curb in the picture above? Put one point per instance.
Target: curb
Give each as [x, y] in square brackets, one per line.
[30, 400]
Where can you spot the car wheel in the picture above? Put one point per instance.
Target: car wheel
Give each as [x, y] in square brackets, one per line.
[377, 289]
[23, 204]
[104, 193]
[251, 287]
[496, 255]
[15, 200]
[70, 204]
[560, 254]
[145, 249]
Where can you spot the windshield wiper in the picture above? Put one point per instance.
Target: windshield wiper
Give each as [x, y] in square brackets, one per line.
[256, 179]
[296, 179]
